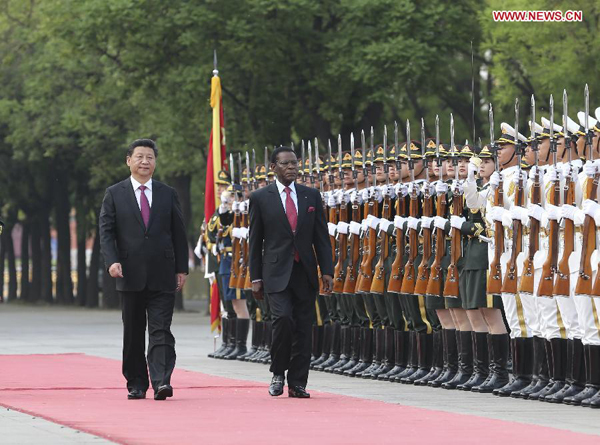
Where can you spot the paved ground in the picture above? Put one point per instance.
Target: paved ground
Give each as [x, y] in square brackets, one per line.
[30, 330]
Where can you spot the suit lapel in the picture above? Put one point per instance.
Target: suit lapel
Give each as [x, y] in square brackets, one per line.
[302, 205]
[280, 210]
[132, 202]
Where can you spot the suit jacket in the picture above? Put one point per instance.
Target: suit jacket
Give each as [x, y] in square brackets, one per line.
[272, 242]
[150, 257]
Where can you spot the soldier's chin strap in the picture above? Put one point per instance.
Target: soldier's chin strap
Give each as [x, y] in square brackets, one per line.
[512, 157]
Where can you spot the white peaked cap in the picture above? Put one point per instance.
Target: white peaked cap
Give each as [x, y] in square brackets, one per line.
[597, 113]
[546, 124]
[573, 126]
[537, 128]
[507, 129]
[591, 121]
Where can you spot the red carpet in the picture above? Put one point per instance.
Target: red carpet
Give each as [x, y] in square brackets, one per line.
[87, 393]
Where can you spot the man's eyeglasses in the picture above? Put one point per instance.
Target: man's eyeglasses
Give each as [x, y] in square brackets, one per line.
[285, 164]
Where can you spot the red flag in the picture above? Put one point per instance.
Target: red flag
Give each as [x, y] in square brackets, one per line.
[216, 158]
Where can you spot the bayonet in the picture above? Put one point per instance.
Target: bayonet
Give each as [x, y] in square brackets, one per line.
[493, 145]
[517, 142]
[364, 156]
[352, 152]
[330, 167]
[248, 171]
[411, 165]
[319, 177]
[396, 148]
[588, 132]
[232, 168]
[565, 125]
[267, 169]
[255, 182]
[453, 148]
[437, 146]
[310, 174]
[534, 144]
[239, 165]
[373, 157]
[552, 141]
[385, 164]
[423, 150]
[302, 166]
[340, 171]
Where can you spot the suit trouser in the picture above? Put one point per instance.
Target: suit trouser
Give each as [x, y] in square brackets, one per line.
[293, 312]
[158, 307]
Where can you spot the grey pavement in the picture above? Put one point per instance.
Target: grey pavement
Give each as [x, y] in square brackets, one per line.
[42, 329]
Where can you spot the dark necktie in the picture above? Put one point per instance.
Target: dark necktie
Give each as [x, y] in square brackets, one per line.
[144, 205]
[292, 216]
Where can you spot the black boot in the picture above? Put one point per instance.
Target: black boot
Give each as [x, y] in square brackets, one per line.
[540, 376]
[316, 344]
[498, 370]
[575, 378]
[465, 361]
[450, 344]
[437, 361]
[224, 339]
[559, 361]
[262, 347]
[592, 385]
[481, 362]
[522, 366]
[412, 359]
[379, 350]
[389, 354]
[265, 359]
[326, 348]
[542, 392]
[334, 352]
[354, 339]
[400, 355]
[242, 326]
[366, 353]
[254, 344]
[230, 326]
[345, 351]
[424, 357]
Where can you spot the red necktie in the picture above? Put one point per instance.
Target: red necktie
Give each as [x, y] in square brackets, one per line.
[292, 216]
[144, 205]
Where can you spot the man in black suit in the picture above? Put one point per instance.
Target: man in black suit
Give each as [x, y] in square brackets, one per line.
[145, 248]
[287, 230]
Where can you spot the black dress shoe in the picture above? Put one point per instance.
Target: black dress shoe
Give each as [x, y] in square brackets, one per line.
[299, 392]
[276, 387]
[163, 392]
[136, 394]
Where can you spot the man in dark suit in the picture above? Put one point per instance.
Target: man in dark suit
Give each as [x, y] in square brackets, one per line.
[145, 248]
[288, 236]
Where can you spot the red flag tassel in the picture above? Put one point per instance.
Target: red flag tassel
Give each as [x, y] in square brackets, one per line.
[215, 308]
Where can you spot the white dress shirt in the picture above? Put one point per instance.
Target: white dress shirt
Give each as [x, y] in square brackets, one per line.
[138, 192]
[283, 194]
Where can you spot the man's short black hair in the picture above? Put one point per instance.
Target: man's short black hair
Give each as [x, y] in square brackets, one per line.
[278, 150]
[142, 143]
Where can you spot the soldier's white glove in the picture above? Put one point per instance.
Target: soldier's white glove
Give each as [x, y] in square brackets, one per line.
[597, 218]
[235, 232]
[399, 221]
[590, 169]
[568, 212]
[496, 213]
[235, 206]
[570, 172]
[428, 188]
[472, 171]
[590, 207]
[426, 222]
[441, 187]
[384, 224]
[214, 250]
[332, 201]
[243, 206]
[386, 190]
[520, 176]
[364, 225]
[413, 223]
[354, 228]
[373, 222]
[458, 188]
[457, 221]
[342, 227]
[400, 189]
[440, 222]
[554, 174]
[495, 180]
[378, 194]
[520, 213]
[365, 194]
[536, 211]
[553, 212]
[331, 229]
[353, 197]
[244, 232]
[412, 188]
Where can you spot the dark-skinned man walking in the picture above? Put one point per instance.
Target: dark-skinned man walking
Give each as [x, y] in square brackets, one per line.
[288, 238]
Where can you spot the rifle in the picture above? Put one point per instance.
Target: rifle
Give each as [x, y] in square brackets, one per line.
[254, 181]
[241, 282]
[424, 269]
[409, 282]
[546, 286]
[526, 285]
[378, 284]
[584, 281]
[370, 240]
[339, 275]
[451, 284]
[351, 275]
[235, 258]
[494, 282]
[434, 285]
[397, 270]
[511, 277]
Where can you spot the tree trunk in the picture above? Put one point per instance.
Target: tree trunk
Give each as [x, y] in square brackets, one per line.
[12, 266]
[82, 232]
[64, 283]
[92, 291]
[46, 251]
[35, 291]
[25, 261]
